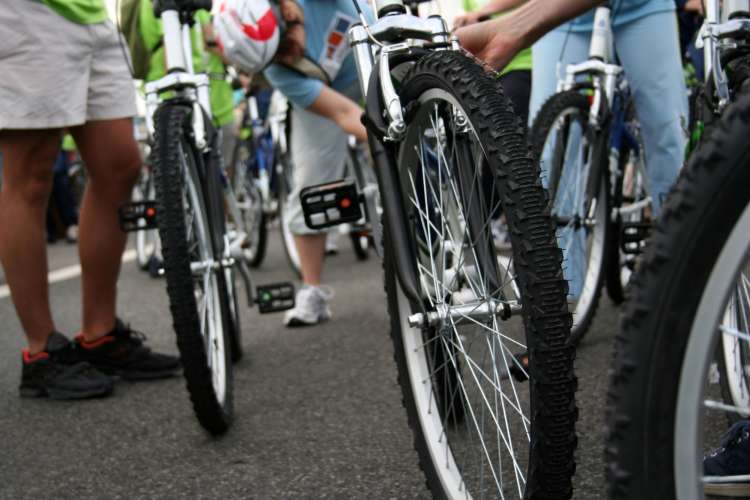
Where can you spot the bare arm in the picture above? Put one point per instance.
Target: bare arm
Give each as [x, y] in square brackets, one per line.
[488, 10]
[499, 40]
[342, 110]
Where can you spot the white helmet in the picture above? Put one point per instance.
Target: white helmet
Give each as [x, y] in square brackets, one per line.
[247, 32]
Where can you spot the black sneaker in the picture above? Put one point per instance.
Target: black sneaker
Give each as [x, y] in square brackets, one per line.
[121, 352]
[731, 458]
[57, 374]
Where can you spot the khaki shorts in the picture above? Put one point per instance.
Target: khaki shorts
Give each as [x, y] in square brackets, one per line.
[319, 148]
[55, 73]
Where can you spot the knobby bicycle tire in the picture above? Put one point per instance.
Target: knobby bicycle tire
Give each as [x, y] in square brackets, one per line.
[557, 105]
[546, 320]
[700, 213]
[172, 123]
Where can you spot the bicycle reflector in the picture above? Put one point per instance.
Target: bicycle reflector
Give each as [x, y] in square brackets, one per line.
[274, 298]
[137, 216]
[331, 204]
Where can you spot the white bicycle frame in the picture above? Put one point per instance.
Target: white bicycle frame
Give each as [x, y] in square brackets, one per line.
[600, 64]
[187, 85]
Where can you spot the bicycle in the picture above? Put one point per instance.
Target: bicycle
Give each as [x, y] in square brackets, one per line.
[254, 173]
[587, 139]
[456, 306]
[203, 251]
[690, 300]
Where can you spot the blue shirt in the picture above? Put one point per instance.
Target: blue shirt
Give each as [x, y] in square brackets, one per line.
[623, 12]
[326, 26]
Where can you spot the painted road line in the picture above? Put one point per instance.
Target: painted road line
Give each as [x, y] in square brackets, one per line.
[67, 273]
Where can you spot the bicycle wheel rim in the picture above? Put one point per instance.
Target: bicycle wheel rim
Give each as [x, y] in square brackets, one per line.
[287, 238]
[206, 285]
[251, 207]
[449, 383]
[735, 363]
[145, 239]
[582, 239]
[692, 405]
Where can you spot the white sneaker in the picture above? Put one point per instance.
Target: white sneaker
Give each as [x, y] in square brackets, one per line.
[71, 234]
[310, 307]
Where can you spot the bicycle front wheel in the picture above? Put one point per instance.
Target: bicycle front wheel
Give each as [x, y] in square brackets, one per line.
[195, 284]
[690, 291]
[573, 160]
[487, 423]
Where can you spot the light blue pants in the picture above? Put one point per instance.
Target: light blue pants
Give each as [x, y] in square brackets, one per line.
[649, 50]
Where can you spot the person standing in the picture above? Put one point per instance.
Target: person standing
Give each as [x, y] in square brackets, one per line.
[63, 67]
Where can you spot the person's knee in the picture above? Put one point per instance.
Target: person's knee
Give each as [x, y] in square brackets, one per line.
[120, 173]
[31, 178]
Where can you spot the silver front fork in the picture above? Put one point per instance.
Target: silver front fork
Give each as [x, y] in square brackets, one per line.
[179, 55]
[711, 55]
[398, 28]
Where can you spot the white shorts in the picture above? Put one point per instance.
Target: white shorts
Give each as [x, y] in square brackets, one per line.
[55, 73]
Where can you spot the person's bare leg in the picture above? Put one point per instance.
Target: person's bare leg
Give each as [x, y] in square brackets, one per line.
[28, 157]
[312, 251]
[112, 161]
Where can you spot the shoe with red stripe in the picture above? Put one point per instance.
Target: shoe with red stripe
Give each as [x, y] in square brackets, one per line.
[122, 352]
[58, 374]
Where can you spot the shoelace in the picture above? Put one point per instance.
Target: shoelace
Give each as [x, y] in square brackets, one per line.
[137, 337]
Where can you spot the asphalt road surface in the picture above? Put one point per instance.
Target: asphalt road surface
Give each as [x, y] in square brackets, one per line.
[318, 411]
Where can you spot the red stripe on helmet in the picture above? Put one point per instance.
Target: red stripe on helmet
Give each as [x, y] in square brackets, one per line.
[265, 28]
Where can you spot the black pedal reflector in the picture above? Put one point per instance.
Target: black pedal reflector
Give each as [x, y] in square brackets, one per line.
[137, 216]
[331, 204]
[275, 297]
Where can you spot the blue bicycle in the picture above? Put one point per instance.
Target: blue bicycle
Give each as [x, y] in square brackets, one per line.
[255, 170]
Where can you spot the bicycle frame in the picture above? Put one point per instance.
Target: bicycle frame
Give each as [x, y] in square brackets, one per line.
[181, 77]
[611, 93]
[394, 34]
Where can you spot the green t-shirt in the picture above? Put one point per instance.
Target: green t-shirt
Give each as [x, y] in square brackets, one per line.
[522, 61]
[79, 11]
[220, 90]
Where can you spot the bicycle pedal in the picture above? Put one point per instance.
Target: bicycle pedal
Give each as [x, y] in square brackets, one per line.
[633, 235]
[276, 297]
[137, 216]
[331, 204]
